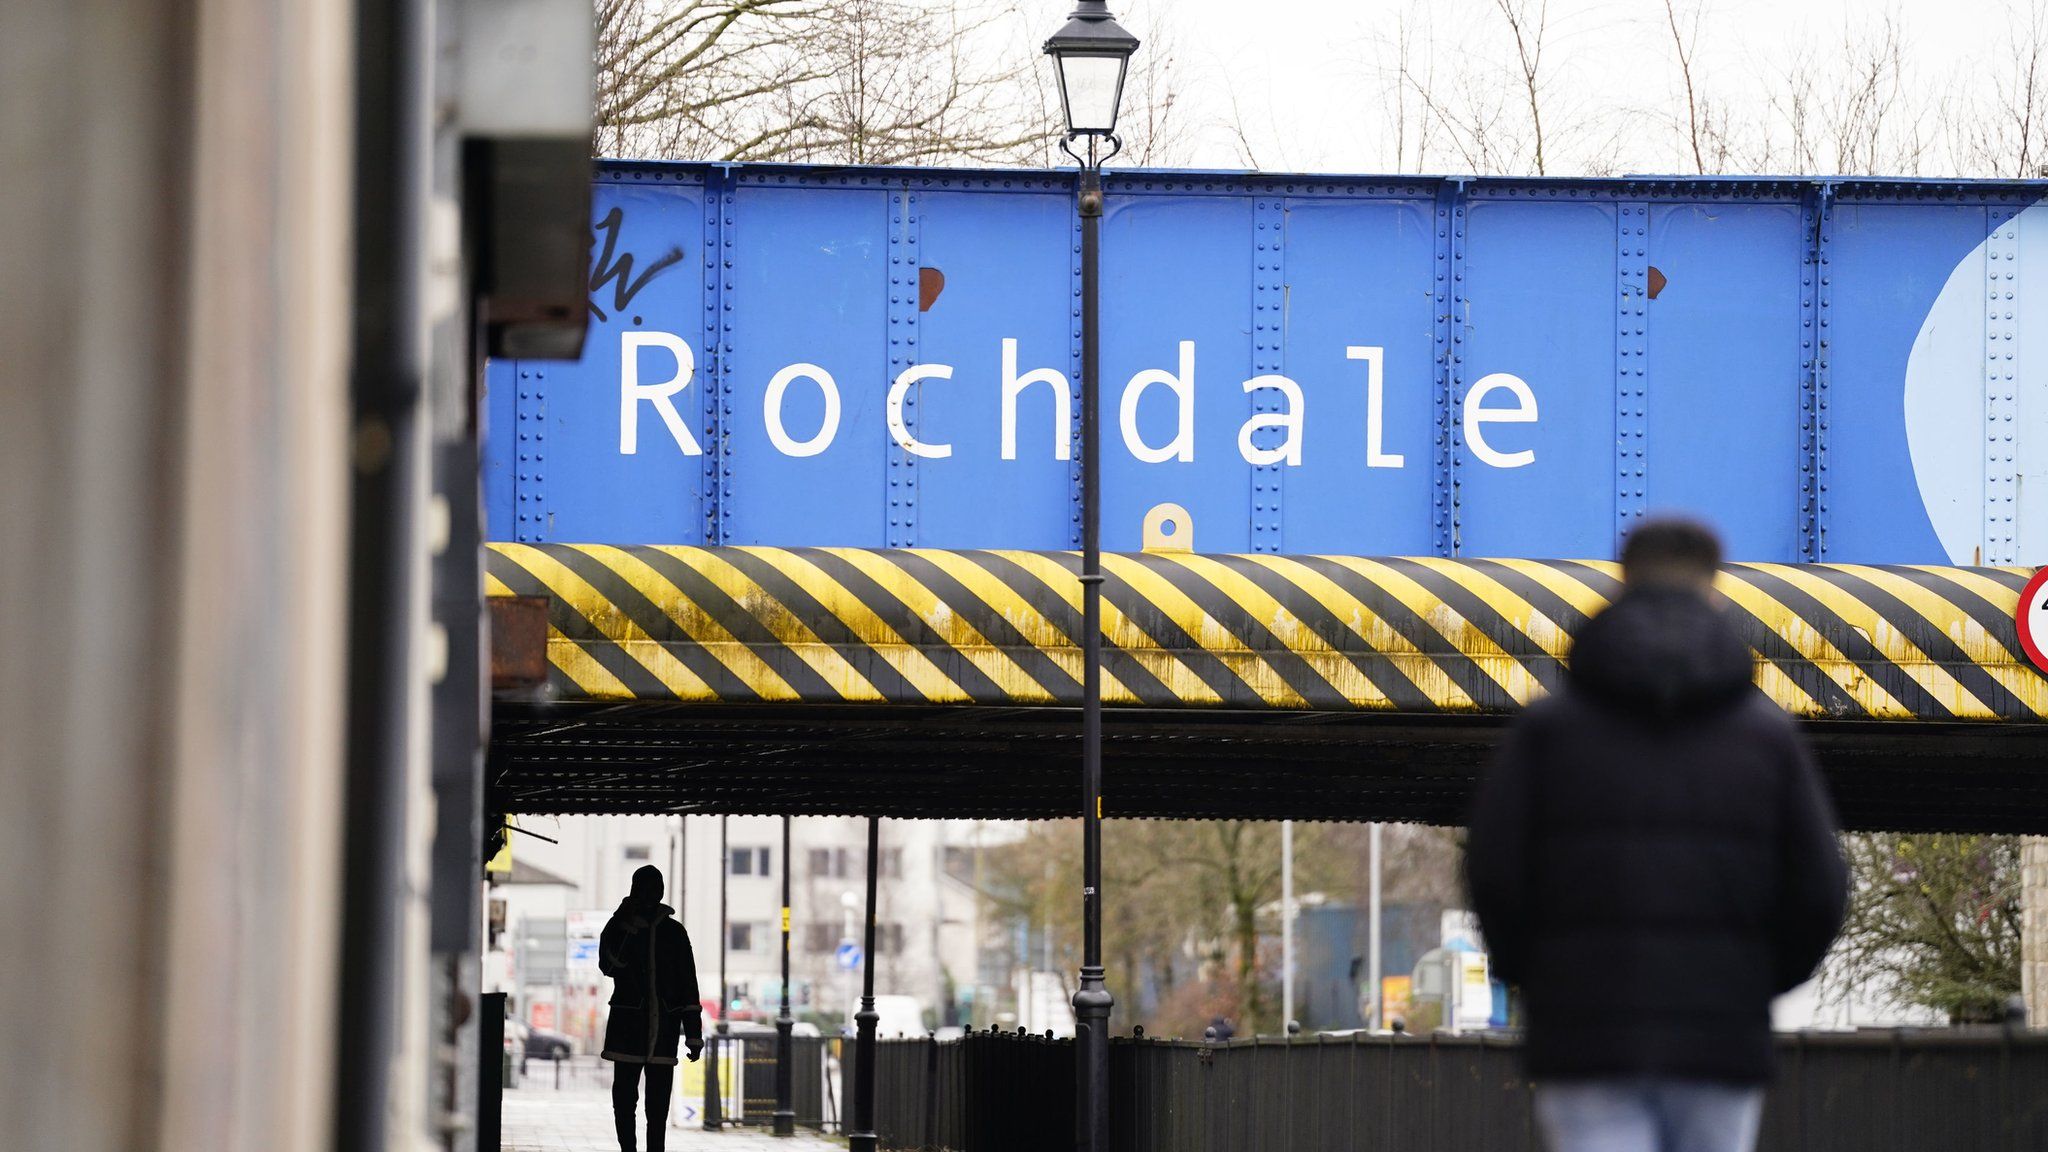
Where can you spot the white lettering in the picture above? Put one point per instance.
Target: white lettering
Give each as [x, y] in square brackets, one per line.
[1182, 446]
[1014, 385]
[771, 410]
[1289, 450]
[1524, 412]
[662, 395]
[1374, 428]
[1256, 442]
[898, 430]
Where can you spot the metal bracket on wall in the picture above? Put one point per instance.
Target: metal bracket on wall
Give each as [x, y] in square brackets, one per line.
[717, 345]
[1631, 361]
[530, 423]
[1447, 299]
[903, 316]
[1814, 293]
[2001, 392]
[1269, 322]
[518, 640]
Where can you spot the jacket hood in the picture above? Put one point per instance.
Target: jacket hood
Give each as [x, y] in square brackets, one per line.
[1665, 652]
[644, 909]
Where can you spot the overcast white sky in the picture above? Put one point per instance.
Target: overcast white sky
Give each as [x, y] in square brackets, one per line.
[1307, 78]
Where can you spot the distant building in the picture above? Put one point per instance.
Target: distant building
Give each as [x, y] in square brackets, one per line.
[526, 949]
[928, 926]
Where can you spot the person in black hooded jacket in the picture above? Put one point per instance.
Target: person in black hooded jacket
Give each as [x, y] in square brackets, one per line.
[654, 1004]
[1653, 858]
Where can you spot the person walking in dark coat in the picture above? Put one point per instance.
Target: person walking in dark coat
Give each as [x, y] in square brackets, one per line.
[1652, 858]
[654, 1004]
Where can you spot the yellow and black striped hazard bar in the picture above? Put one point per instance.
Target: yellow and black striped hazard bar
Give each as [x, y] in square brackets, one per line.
[1329, 633]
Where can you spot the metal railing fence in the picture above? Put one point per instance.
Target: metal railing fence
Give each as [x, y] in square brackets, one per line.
[750, 1057]
[814, 1091]
[1885, 1091]
[551, 1073]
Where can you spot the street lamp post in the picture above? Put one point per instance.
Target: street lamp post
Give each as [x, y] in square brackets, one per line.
[1091, 54]
[714, 1085]
[1376, 1018]
[862, 1138]
[785, 1027]
[1287, 927]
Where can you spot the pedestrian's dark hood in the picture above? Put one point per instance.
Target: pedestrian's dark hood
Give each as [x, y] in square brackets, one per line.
[1664, 653]
[641, 911]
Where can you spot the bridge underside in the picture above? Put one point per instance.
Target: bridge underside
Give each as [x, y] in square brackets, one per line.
[945, 684]
[1024, 763]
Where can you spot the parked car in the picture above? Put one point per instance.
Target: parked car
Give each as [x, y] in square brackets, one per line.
[542, 1044]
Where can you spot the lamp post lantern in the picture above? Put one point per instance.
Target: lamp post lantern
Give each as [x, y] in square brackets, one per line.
[1090, 55]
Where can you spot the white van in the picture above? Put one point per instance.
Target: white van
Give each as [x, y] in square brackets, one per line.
[899, 1016]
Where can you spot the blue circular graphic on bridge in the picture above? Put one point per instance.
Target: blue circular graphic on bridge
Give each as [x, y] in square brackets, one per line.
[1967, 381]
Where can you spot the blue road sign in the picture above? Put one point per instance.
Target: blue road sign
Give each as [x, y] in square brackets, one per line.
[848, 955]
[792, 356]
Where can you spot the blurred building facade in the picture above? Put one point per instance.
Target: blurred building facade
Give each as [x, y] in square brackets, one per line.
[931, 939]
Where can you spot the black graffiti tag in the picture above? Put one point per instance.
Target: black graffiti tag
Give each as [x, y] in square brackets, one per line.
[618, 271]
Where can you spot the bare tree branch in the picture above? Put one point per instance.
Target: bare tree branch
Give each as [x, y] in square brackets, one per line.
[1528, 36]
[850, 81]
[1684, 43]
[1998, 124]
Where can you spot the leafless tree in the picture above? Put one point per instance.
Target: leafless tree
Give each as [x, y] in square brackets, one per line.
[1462, 108]
[1791, 106]
[857, 81]
[1403, 69]
[905, 83]
[1852, 108]
[1239, 127]
[854, 81]
[1260, 136]
[1435, 112]
[1849, 109]
[1871, 120]
[1154, 120]
[1713, 133]
[1529, 31]
[1685, 35]
[1397, 80]
[2001, 128]
[1491, 106]
[683, 78]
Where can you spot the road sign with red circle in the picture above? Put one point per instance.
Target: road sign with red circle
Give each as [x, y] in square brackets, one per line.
[2033, 619]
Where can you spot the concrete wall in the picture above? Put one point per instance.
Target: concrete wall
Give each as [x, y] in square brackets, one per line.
[174, 182]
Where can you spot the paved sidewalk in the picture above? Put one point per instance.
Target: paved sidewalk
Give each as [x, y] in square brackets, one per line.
[580, 1120]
